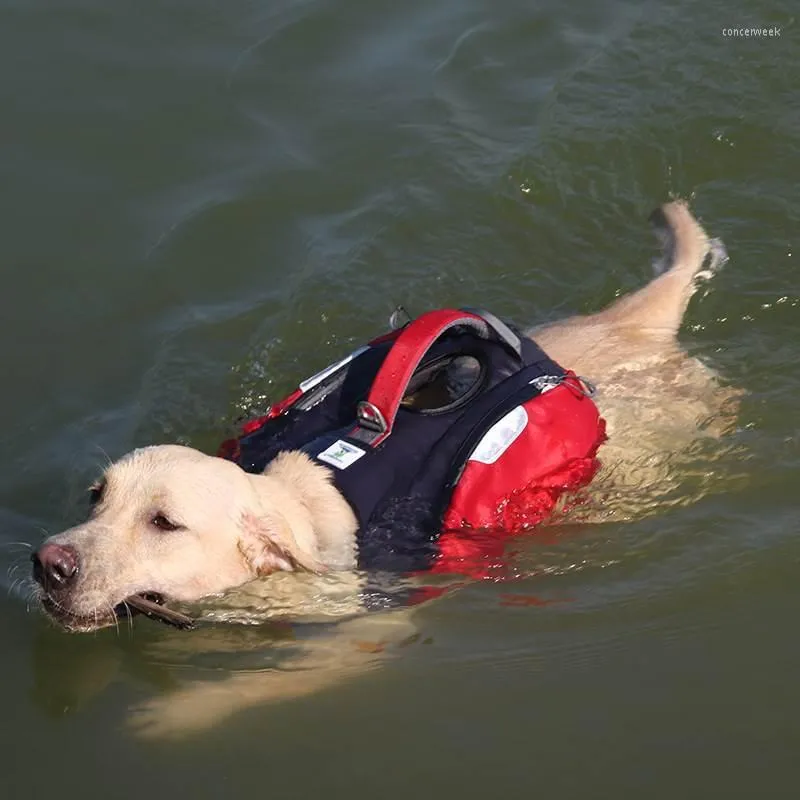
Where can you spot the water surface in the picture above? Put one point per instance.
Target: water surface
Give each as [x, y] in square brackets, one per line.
[204, 202]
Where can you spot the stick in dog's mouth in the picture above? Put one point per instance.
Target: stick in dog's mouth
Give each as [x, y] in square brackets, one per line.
[152, 606]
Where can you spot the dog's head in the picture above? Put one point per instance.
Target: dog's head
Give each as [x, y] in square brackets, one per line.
[171, 523]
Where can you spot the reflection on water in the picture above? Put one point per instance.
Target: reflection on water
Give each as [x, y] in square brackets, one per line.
[68, 671]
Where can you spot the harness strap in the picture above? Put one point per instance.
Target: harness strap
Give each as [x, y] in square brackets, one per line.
[377, 413]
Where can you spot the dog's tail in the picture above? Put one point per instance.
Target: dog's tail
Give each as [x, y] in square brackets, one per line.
[658, 308]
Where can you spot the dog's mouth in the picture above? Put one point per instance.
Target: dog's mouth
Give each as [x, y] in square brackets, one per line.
[150, 604]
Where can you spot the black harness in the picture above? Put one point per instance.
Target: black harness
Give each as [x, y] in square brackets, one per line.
[398, 466]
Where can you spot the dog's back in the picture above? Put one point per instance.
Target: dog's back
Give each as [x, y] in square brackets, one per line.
[656, 399]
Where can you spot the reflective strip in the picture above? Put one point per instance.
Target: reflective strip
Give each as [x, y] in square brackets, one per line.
[500, 436]
[310, 383]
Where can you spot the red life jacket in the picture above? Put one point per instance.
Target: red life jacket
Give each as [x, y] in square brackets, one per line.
[438, 488]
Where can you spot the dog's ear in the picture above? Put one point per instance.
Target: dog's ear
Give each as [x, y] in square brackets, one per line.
[268, 545]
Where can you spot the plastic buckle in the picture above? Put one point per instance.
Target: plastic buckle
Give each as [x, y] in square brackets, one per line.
[544, 383]
[399, 319]
[588, 389]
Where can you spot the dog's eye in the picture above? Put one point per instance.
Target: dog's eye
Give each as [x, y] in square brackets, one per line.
[96, 492]
[163, 523]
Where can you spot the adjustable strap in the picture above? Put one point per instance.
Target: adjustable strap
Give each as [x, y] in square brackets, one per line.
[503, 332]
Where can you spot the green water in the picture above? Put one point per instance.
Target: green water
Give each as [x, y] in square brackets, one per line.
[204, 202]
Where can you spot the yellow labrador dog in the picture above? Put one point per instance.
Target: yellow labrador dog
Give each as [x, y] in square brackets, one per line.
[172, 523]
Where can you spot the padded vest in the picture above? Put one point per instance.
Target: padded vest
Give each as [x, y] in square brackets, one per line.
[431, 487]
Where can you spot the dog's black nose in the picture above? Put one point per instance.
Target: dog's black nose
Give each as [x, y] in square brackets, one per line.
[55, 566]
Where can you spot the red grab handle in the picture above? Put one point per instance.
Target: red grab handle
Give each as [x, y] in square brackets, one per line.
[377, 413]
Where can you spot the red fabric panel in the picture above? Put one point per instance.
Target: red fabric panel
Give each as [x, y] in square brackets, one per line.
[230, 447]
[554, 454]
